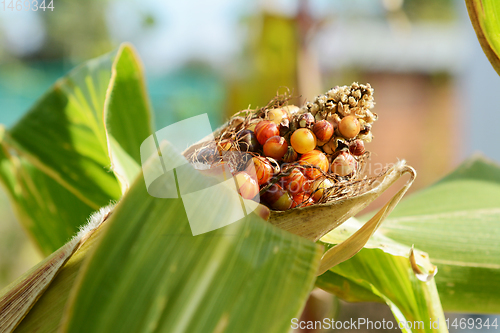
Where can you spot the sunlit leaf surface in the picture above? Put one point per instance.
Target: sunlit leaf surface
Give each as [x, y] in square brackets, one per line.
[150, 274]
[484, 15]
[382, 272]
[457, 222]
[60, 160]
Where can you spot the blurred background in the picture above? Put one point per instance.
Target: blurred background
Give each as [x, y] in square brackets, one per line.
[434, 88]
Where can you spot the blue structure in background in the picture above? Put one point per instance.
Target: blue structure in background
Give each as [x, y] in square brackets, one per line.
[181, 94]
[21, 85]
[185, 93]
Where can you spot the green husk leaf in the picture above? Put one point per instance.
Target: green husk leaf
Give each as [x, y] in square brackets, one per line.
[179, 282]
[18, 298]
[46, 314]
[55, 163]
[185, 283]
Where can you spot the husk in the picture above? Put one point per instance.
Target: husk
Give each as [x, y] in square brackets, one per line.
[313, 222]
[357, 241]
[18, 298]
[348, 196]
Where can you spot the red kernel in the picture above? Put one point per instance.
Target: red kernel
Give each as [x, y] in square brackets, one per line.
[264, 130]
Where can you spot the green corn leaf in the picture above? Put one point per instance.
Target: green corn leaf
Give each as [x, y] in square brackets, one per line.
[58, 161]
[63, 134]
[382, 271]
[485, 15]
[49, 212]
[457, 222]
[148, 273]
[127, 115]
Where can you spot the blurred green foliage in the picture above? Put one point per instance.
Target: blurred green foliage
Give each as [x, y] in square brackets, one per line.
[268, 63]
[430, 10]
[81, 33]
